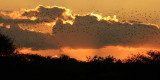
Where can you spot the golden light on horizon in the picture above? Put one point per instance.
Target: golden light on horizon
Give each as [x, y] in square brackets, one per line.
[55, 56]
[118, 52]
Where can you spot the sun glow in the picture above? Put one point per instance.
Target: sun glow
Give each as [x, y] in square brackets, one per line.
[68, 21]
[99, 17]
[33, 18]
[1, 24]
[8, 26]
[55, 56]
[50, 24]
[68, 14]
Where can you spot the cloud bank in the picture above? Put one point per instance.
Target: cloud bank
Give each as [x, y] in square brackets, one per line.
[89, 31]
[28, 39]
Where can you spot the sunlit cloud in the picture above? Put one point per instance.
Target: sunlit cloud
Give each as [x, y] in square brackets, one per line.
[57, 28]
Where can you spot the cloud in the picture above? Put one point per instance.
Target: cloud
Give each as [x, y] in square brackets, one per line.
[89, 32]
[43, 13]
[39, 14]
[8, 21]
[28, 39]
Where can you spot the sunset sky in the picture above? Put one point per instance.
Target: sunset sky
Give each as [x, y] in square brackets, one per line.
[81, 28]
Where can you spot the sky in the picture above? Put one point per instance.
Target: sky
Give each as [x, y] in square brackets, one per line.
[16, 4]
[124, 9]
[81, 28]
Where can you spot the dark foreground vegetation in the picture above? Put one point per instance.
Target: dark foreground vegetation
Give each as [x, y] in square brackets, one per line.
[14, 65]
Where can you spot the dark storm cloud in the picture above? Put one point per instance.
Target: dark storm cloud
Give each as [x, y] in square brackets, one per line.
[88, 32]
[28, 39]
[46, 14]
[2, 20]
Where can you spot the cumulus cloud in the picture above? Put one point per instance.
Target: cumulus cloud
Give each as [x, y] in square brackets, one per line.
[28, 39]
[45, 14]
[39, 14]
[88, 32]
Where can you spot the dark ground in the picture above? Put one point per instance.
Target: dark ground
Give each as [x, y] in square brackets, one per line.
[16, 66]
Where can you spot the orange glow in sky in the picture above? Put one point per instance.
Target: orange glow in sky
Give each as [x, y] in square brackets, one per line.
[8, 26]
[81, 54]
[1, 24]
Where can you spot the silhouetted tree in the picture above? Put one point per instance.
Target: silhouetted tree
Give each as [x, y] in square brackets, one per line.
[88, 59]
[138, 58]
[109, 59]
[154, 56]
[118, 61]
[151, 57]
[6, 45]
[95, 59]
[64, 57]
[106, 60]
